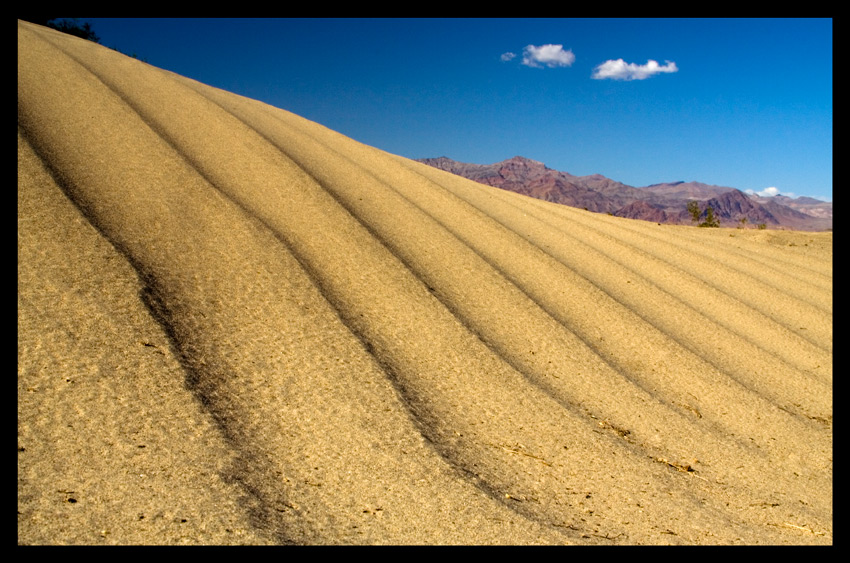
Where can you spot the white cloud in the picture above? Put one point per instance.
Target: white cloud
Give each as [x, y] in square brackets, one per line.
[508, 56]
[770, 192]
[621, 70]
[549, 55]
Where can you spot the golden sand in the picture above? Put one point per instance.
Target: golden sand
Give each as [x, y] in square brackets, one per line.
[236, 326]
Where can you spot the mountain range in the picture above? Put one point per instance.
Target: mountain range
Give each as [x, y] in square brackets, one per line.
[661, 203]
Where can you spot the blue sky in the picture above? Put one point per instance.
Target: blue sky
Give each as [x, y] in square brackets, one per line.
[742, 103]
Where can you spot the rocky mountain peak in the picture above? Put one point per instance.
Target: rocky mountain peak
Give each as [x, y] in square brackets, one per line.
[665, 202]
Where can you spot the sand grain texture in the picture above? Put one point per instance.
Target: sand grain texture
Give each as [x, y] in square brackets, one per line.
[238, 326]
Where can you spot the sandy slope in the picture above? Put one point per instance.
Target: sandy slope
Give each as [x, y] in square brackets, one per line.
[238, 326]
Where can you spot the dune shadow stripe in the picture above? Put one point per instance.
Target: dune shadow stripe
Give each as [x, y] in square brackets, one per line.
[262, 509]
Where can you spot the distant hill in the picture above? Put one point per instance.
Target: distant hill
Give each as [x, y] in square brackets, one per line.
[686, 190]
[531, 178]
[661, 203]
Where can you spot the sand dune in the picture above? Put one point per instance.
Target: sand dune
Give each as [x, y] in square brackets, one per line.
[236, 326]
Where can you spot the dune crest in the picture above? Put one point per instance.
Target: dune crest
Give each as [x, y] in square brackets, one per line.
[239, 326]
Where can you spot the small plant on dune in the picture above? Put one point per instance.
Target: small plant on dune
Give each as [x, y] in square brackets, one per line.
[710, 219]
[71, 26]
[693, 209]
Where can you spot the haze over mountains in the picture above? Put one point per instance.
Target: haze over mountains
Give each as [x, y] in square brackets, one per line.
[662, 203]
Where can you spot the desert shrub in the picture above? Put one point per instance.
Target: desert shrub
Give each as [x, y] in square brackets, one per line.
[71, 26]
[710, 219]
[693, 209]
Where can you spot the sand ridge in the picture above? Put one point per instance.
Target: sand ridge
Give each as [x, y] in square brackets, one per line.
[382, 352]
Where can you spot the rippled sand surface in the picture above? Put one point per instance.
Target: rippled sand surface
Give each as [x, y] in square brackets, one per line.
[236, 326]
